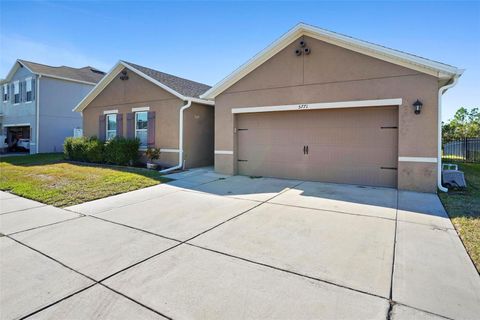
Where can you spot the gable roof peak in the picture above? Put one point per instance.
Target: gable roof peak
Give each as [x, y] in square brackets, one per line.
[437, 69]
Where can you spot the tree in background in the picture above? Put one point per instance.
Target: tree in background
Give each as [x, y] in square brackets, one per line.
[465, 124]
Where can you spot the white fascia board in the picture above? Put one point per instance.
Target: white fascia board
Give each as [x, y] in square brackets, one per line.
[433, 68]
[202, 101]
[67, 79]
[110, 111]
[323, 105]
[99, 87]
[12, 71]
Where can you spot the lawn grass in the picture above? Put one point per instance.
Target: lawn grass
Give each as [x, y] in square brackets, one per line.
[50, 179]
[463, 207]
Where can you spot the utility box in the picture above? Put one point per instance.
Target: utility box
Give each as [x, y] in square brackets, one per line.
[453, 178]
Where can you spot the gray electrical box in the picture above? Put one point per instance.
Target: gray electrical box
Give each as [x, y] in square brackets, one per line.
[453, 178]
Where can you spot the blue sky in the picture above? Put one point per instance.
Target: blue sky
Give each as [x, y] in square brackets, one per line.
[205, 41]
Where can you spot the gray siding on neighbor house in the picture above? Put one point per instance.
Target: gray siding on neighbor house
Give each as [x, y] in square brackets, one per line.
[23, 113]
[56, 99]
[57, 120]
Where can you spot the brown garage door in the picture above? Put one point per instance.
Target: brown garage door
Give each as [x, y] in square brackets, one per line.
[353, 145]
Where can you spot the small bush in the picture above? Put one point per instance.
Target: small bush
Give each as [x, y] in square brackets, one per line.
[83, 149]
[75, 148]
[95, 150]
[122, 151]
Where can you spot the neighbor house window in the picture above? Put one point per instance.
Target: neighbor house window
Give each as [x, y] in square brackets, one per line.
[28, 89]
[111, 126]
[5, 93]
[141, 125]
[16, 92]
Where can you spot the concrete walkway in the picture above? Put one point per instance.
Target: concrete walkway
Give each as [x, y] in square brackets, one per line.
[207, 246]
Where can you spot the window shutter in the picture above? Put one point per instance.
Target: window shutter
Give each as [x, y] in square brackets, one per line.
[101, 127]
[120, 125]
[151, 129]
[22, 91]
[130, 125]
[33, 88]
[12, 93]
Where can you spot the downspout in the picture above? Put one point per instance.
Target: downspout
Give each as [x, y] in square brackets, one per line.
[441, 91]
[180, 140]
[37, 102]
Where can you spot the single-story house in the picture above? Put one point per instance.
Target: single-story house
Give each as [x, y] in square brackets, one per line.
[317, 105]
[162, 110]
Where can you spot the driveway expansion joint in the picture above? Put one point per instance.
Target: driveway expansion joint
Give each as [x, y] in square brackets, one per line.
[25, 209]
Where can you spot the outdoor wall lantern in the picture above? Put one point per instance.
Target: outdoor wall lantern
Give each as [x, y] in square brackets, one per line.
[417, 105]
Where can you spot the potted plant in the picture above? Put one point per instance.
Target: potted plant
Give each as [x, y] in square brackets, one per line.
[152, 154]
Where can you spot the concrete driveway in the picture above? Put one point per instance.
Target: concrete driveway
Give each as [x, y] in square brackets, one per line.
[206, 246]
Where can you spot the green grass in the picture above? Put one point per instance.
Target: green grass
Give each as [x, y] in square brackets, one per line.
[50, 179]
[463, 207]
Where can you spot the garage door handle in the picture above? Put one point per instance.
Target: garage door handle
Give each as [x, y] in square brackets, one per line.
[307, 149]
[304, 149]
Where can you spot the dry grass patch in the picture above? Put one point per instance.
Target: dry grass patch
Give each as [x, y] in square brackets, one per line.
[49, 179]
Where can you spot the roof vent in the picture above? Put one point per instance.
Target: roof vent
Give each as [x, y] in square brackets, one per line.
[97, 71]
[124, 75]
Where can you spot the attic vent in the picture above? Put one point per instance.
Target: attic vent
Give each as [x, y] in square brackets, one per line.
[97, 71]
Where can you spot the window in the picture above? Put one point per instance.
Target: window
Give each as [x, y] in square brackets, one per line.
[5, 93]
[141, 125]
[28, 86]
[16, 92]
[111, 120]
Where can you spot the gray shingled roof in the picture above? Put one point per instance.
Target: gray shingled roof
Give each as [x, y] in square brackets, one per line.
[183, 86]
[87, 74]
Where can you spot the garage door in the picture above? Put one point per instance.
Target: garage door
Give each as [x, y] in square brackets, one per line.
[352, 145]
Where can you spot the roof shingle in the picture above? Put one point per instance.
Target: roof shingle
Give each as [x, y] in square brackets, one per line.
[87, 74]
[183, 86]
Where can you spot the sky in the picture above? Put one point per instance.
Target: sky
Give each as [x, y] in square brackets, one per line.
[206, 41]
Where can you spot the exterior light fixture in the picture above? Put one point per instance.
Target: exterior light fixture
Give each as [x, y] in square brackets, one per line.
[417, 105]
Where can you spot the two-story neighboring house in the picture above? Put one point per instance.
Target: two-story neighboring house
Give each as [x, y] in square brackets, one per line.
[37, 102]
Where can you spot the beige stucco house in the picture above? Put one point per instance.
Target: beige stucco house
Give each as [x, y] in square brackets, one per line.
[162, 110]
[317, 105]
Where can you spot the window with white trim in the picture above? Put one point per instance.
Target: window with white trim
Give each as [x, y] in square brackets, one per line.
[111, 126]
[28, 89]
[5, 93]
[16, 92]
[141, 127]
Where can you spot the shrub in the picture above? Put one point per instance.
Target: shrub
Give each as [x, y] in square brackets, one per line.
[83, 149]
[95, 150]
[75, 148]
[122, 151]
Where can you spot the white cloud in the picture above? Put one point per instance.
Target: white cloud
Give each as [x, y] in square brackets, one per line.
[17, 47]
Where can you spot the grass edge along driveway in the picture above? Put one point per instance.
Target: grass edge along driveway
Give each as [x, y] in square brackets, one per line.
[49, 179]
[463, 207]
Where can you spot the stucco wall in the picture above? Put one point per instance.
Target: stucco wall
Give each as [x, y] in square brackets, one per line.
[123, 95]
[330, 74]
[199, 140]
[57, 120]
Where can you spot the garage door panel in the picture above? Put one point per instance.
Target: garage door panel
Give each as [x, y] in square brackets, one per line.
[356, 145]
[351, 155]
